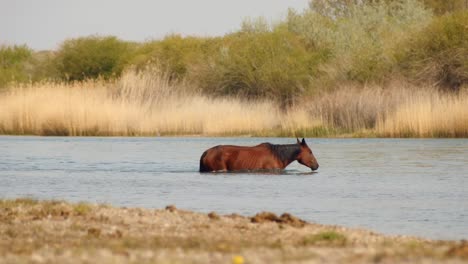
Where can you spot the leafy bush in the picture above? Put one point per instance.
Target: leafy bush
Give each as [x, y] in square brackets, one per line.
[361, 35]
[257, 25]
[13, 63]
[331, 43]
[439, 53]
[43, 66]
[175, 55]
[273, 65]
[255, 62]
[92, 57]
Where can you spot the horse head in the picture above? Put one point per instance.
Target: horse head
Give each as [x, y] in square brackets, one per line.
[306, 157]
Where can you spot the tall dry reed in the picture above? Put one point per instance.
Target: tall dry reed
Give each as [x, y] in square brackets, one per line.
[149, 103]
[136, 104]
[397, 110]
[427, 114]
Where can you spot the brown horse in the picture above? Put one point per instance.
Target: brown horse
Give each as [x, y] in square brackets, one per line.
[265, 156]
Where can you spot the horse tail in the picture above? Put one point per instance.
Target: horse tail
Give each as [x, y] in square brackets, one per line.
[203, 168]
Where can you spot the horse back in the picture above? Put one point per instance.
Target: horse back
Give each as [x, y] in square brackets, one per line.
[229, 157]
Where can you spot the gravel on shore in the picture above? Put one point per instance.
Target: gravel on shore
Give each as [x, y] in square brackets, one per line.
[60, 232]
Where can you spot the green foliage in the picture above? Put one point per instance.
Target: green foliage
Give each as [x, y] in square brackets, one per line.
[273, 65]
[259, 25]
[13, 63]
[439, 53]
[362, 40]
[92, 57]
[332, 42]
[175, 54]
[82, 208]
[335, 8]
[42, 66]
[325, 238]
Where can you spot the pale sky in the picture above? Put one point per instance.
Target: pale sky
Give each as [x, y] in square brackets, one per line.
[44, 24]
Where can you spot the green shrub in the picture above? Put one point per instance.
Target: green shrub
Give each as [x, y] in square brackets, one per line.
[14, 63]
[362, 35]
[92, 57]
[273, 65]
[254, 63]
[331, 43]
[257, 25]
[176, 55]
[43, 66]
[439, 53]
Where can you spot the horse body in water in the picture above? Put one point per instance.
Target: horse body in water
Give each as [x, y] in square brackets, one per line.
[265, 156]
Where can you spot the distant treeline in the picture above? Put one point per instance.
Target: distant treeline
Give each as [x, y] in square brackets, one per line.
[331, 42]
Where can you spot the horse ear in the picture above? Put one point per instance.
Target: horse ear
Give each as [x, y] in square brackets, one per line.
[298, 142]
[303, 141]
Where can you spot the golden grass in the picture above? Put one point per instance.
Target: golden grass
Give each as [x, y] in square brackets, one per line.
[428, 115]
[147, 104]
[136, 104]
[397, 110]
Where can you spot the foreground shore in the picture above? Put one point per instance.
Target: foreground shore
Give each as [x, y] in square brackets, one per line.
[59, 232]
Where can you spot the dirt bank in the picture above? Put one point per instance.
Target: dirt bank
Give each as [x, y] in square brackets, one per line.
[60, 232]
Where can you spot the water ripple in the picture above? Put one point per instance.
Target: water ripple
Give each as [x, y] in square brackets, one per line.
[395, 186]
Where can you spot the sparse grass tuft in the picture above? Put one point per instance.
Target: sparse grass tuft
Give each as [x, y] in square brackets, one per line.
[325, 238]
[82, 208]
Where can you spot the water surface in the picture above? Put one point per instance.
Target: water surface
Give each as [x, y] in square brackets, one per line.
[393, 186]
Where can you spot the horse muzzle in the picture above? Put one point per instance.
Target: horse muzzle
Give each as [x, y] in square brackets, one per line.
[314, 167]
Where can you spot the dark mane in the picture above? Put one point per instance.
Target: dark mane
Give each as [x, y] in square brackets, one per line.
[285, 153]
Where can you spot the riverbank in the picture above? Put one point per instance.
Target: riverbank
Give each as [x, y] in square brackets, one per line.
[60, 232]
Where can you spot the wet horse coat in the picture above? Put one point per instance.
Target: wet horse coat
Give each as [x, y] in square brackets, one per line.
[265, 156]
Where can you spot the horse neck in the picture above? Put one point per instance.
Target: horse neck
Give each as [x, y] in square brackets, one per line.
[286, 153]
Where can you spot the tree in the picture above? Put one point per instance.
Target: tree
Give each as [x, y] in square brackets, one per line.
[92, 57]
[334, 8]
[13, 60]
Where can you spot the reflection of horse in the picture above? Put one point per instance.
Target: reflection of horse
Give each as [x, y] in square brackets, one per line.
[265, 156]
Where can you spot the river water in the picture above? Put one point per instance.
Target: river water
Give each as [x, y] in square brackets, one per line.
[392, 186]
